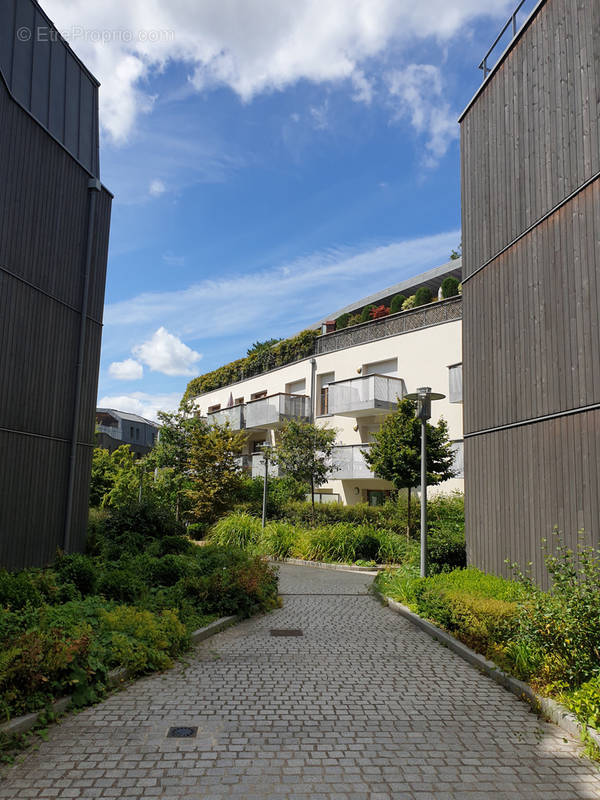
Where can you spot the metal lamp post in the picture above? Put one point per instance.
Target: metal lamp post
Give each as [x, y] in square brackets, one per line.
[424, 396]
[266, 453]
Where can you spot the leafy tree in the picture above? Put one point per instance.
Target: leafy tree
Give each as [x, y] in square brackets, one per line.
[260, 347]
[456, 254]
[304, 452]
[115, 477]
[212, 469]
[395, 454]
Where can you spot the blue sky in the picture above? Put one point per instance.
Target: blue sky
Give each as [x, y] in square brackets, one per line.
[271, 162]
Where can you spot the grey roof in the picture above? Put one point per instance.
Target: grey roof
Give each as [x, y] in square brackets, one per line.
[432, 279]
[127, 415]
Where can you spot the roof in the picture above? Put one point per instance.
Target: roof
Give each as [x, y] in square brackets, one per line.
[432, 279]
[127, 416]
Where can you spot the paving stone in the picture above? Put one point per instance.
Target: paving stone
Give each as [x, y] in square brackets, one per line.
[362, 706]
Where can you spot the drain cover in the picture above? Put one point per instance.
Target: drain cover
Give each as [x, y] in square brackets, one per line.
[182, 732]
[286, 632]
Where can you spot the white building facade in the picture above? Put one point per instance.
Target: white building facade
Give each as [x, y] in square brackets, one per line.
[350, 383]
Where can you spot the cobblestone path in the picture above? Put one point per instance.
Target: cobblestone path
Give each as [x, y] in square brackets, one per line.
[363, 705]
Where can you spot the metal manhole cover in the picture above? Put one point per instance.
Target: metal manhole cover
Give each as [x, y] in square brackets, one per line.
[182, 732]
[286, 632]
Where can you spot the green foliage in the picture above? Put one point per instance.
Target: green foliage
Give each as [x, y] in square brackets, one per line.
[409, 303]
[79, 570]
[355, 319]
[395, 454]
[397, 302]
[115, 477]
[365, 314]
[284, 352]
[456, 254]
[236, 530]
[585, 702]
[278, 539]
[342, 322]
[450, 286]
[446, 532]
[280, 492]
[304, 452]
[130, 530]
[422, 296]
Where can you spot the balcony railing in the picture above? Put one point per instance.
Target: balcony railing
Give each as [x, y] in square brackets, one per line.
[403, 322]
[349, 462]
[371, 394]
[111, 430]
[234, 415]
[244, 462]
[258, 467]
[274, 410]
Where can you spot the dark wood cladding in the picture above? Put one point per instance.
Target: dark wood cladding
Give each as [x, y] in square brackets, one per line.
[531, 479]
[530, 144]
[44, 210]
[46, 78]
[531, 136]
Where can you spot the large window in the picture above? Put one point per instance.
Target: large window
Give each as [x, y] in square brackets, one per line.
[323, 382]
[455, 380]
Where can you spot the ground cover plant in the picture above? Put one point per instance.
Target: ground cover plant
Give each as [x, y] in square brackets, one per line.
[550, 639]
[131, 601]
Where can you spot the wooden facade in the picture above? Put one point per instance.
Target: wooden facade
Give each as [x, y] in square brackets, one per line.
[530, 152]
[45, 209]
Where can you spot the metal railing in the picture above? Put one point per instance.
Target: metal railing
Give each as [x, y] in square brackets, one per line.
[367, 394]
[277, 408]
[402, 322]
[349, 462]
[511, 21]
[234, 415]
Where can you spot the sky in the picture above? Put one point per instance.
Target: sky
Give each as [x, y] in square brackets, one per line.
[271, 161]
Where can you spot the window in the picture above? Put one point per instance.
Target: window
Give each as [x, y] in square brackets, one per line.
[239, 401]
[258, 395]
[377, 497]
[459, 460]
[214, 408]
[455, 380]
[137, 434]
[323, 382]
[131, 433]
[389, 367]
[296, 387]
[257, 446]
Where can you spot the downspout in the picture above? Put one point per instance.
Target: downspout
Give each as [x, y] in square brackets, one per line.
[94, 186]
[313, 399]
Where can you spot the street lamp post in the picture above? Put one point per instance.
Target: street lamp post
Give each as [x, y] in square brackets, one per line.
[266, 452]
[424, 396]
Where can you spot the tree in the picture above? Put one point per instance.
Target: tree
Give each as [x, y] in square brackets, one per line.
[395, 454]
[304, 452]
[212, 469]
[115, 477]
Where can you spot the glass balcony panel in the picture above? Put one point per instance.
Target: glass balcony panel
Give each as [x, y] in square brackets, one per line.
[349, 462]
[367, 395]
[258, 467]
[272, 411]
[233, 415]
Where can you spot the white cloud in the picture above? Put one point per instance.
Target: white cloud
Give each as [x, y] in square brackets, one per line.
[156, 188]
[319, 115]
[293, 294]
[418, 94]
[142, 403]
[166, 353]
[128, 370]
[250, 46]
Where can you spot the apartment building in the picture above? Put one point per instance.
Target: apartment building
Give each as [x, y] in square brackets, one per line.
[116, 428]
[54, 224]
[530, 145]
[351, 381]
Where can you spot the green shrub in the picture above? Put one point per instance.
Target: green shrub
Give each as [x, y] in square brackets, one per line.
[423, 296]
[365, 314]
[585, 702]
[78, 569]
[410, 302]
[131, 529]
[397, 301]
[168, 570]
[236, 530]
[278, 539]
[17, 590]
[450, 286]
[354, 320]
[342, 321]
[116, 582]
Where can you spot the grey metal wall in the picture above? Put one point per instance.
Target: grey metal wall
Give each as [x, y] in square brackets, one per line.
[530, 146]
[48, 79]
[44, 201]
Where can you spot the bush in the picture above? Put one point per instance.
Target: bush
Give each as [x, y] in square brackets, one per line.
[379, 311]
[410, 302]
[119, 583]
[450, 286]
[446, 532]
[278, 539]
[18, 590]
[585, 702]
[236, 530]
[365, 314]
[342, 321]
[131, 529]
[397, 302]
[423, 296]
[78, 569]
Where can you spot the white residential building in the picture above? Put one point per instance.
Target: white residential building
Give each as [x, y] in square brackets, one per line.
[352, 381]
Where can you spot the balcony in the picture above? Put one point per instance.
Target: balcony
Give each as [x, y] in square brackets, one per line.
[349, 462]
[234, 415]
[274, 410]
[258, 467]
[366, 396]
[244, 462]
